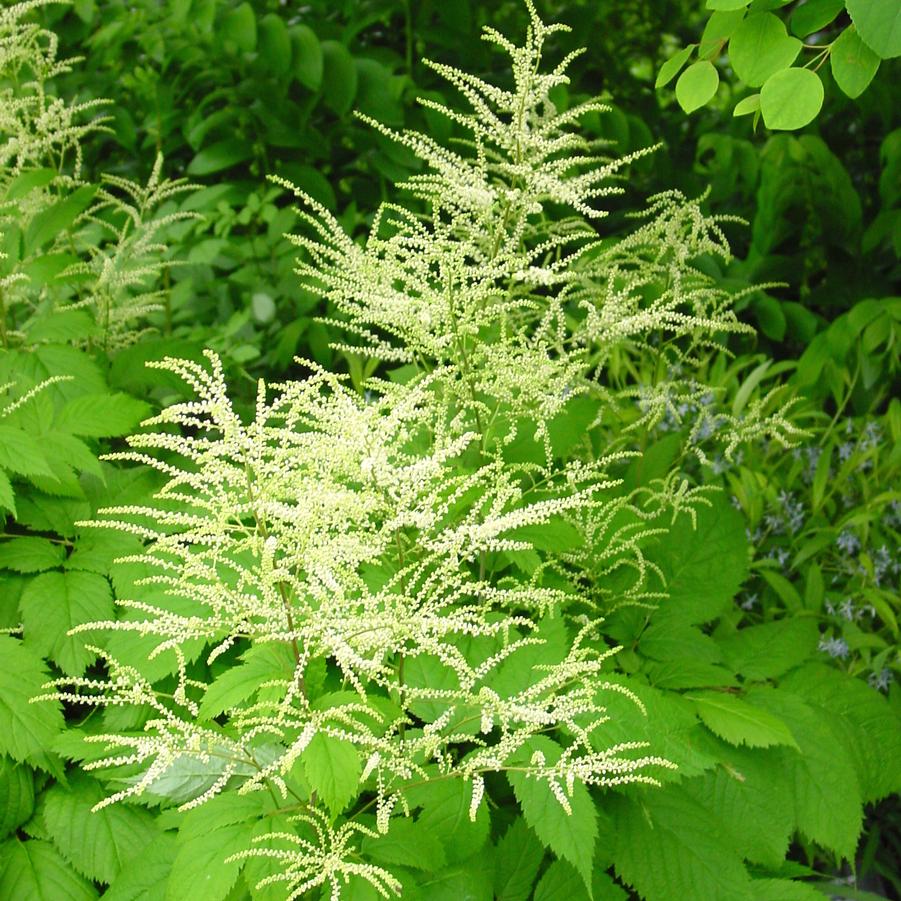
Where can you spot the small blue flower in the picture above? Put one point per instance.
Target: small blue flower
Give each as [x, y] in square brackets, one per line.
[848, 542]
[881, 680]
[834, 647]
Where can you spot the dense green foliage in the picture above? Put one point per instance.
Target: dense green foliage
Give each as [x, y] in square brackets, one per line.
[414, 486]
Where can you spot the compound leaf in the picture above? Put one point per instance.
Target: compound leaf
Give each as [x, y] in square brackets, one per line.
[97, 844]
[34, 871]
[26, 729]
[55, 602]
[571, 836]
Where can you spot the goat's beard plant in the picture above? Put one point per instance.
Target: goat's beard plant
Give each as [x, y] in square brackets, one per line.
[406, 583]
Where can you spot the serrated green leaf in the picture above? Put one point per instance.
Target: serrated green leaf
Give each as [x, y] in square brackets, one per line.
[697, 85]
[791, 99]
[96, 844]
[854, 65]
[26, 730]
[55, 602]
[516, 862]
[146, 882]
[666, 848]
[784, 890]
[445, 813]
[571, 836]
[333, 768]
[7, 495]
[769, 650]
[560, 882]
[21, 454]
[879, 25]
[870, 726]
[739, 722]
[16, 795]
[30, 555]
[211, 833]
[678, 641]
[407, 843]
[703, 567]
[54, 220]
[825, 787]
[34, 871]
[760, 47]
[671, 68]
[668, 724]
[469, 879]
[102, 415]
[751, 799]
[239, 682]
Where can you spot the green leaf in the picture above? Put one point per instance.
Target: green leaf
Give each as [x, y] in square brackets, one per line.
[571, 836]
[671, 68]
[791, 99]
[760, 47]
[560, 882]
[21, 454]
[445, 813]
[677, 641]
[49, 223]
[468, 880]
[879, 25]
[16, 795]
[516, 862]
[62, 326]
[719, 28]
[853, 63]
[703, 567]
[26, 729]
[339, 77]
[786, 890]
[333, 768]
[274, 44]
[769, 650]
[26, 182]
[869, 725]
[55, 602]
[102, 415]
[7, 495]
[239, 682]
[146, 882]
[209, 834]
[814, 15]
[34, 871]
[727, 5]
[30, 555]
[739, 722]
[97, 844]
[697, 85]
[240, 26]
[407, 843]
[665, 848]
[748, 105]
[825, 787]
[751, 802]
[221, 155]
[306, 56]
